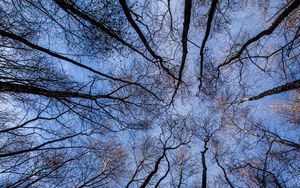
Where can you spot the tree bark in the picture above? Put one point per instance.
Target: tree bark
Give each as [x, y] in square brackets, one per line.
[204, 167]
[27, 89]
[286, 87]
[211, 13]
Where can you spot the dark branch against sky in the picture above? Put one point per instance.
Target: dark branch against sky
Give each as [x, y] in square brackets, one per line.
[149, 93]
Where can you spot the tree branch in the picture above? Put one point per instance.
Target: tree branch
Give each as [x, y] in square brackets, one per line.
[294, 5]
[18, 88]
[56, 55]
[142, 36]
[184, 40]
[212, 10]
[286, 87]
[72, 9]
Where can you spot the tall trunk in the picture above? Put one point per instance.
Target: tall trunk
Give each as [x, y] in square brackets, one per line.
[224, 171]
[28, 89]
[286, 87]
[204, 167]
[211, 13]
[152, 173]
[180, 177]
[272, 139]
[184, 40]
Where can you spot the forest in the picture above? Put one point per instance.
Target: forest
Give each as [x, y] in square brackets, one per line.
[150, 93]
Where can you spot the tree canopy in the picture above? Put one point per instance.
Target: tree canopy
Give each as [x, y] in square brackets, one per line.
[166, 93]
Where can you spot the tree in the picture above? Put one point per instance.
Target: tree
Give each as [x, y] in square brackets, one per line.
[289, 109]
[149, 93]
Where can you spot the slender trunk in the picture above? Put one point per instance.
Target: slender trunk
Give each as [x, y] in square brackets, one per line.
[164, 176]
[184, 40]
[180, 178]
[204, 167]
[152, 173]
[211, 13]
[224, 172]
[272, 139]
[289, 9]
[28, 89]
[286, 87]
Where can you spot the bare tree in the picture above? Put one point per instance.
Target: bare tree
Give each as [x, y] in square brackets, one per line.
[149, 93]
